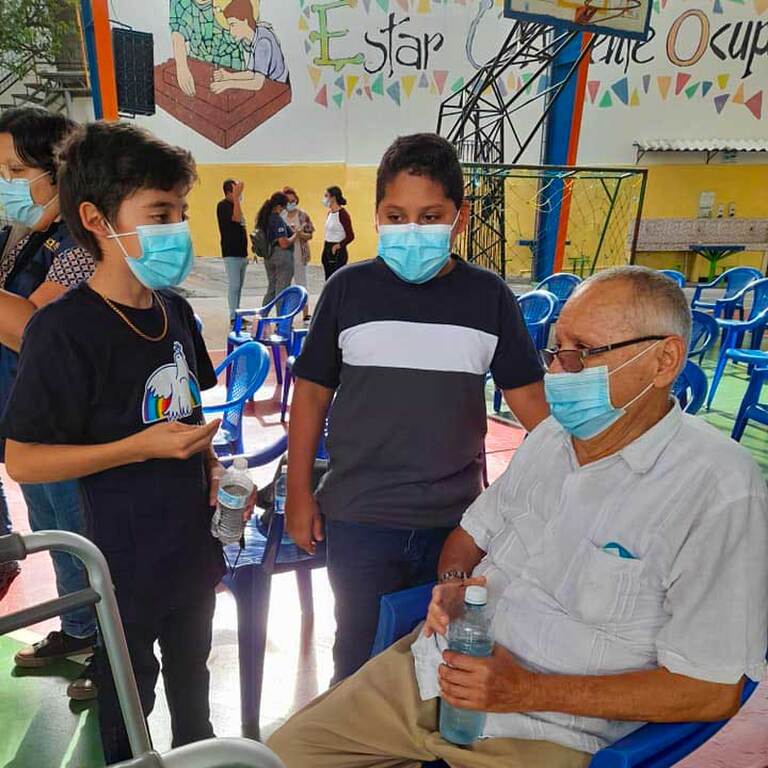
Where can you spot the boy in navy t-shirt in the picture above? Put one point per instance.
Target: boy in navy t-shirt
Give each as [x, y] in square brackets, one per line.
[403, 344]
[108, 390]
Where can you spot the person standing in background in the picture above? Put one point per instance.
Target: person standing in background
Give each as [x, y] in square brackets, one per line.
[234, 241]
[280, 239]
[338, 231]
[301, 224]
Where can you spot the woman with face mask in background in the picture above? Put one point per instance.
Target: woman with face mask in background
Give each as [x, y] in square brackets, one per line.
[301, 224]
[38, 269]
[338, 231]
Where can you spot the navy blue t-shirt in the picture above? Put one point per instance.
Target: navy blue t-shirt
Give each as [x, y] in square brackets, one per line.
[408, 363]
[86, 378]
[277, 228]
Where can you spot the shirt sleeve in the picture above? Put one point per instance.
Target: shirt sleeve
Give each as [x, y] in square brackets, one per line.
[346, 221]
[515, 362]
[224, 212]
[261, 57]
[278, 228]
[205, 372]
[54, 386]
[71, 267]
[320, 359]
[485, 519]
[717, 597]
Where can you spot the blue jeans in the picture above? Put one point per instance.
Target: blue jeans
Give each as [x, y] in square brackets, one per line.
[364, 563]
[235, 266]
[5, 517]
[57, 506]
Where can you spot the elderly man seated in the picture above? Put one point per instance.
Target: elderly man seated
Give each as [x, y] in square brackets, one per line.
[625, 550]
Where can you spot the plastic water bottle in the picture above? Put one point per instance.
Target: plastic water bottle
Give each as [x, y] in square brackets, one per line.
[280, 493]
[234, 489]
[470, 635]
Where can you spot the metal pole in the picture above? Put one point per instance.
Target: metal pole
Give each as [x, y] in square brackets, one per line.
[110, 626]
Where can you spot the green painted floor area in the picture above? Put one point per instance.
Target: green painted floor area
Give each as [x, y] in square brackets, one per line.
[38, 726]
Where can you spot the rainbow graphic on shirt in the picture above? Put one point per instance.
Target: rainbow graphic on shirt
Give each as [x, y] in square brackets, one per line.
[172, 392]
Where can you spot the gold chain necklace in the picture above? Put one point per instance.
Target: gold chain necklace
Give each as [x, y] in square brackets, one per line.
[138, 332]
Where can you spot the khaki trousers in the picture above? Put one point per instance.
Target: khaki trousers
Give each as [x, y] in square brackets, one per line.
[376, 719]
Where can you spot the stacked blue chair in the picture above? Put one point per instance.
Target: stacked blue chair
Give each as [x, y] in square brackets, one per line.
[562, 285]
[538, 308]
[733, 281]
[690, 388]
[296, 344]
[673, 274]
[652, 746]
[751, 408]
[735, 330]
[247, 368]
[274, 331]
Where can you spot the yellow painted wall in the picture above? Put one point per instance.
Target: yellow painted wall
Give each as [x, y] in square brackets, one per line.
[673, 192]
[309, 181]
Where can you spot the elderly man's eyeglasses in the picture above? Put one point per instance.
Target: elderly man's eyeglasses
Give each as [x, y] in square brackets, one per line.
[572, 360]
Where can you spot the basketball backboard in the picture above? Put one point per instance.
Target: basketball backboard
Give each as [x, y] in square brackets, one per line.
[625, 18]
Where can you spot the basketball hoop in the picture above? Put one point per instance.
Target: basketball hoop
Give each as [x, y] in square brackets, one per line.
[614, 10]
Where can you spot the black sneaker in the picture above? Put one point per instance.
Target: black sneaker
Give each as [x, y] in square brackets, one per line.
[8, 572]
[84, 688]
[58, 645]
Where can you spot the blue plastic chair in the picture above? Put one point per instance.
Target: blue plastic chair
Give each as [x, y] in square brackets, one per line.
[296, 345]
[735, 330]
[267, 552]
[652, 746]
[562, 285]
[199, 323]
[274, 331]
[673, 274]
[538, 308]
[247, 368]
[704, 333]
[733, 281]
[751, 409]
[690, 388]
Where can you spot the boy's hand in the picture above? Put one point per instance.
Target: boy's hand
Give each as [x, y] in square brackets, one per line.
[173, 440]
[447, 600]
[303, 521]
[215, 472]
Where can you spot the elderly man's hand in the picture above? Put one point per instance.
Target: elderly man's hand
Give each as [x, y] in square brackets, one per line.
[446, 604]
[495, 683]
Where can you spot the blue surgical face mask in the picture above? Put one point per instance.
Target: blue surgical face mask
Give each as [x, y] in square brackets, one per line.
[291, 206]
[17, 204]
[581, 402]
[327, 202]
[166, 257]
[415, 252]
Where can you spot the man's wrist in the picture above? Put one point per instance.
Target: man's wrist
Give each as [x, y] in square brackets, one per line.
[452, 574]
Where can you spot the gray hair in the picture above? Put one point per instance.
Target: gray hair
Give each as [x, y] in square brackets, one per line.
[659, 306]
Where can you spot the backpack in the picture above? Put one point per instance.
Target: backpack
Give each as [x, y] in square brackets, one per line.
[259, 244]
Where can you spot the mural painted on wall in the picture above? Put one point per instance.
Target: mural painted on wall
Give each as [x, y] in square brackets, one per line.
[717, 54]
[227, 74]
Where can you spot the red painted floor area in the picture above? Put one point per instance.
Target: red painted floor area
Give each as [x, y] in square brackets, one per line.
[301, 672]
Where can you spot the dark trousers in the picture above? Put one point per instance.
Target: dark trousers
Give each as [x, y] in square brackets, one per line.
[364, 563]
[332, 262]
[184, 635]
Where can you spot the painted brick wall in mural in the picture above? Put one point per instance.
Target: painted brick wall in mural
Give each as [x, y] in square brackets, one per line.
[227, 74]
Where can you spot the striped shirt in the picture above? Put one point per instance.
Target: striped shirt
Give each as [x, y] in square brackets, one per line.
[408, 364]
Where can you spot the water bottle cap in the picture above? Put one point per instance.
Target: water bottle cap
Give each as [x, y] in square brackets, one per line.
[476, 596]
[241, 464]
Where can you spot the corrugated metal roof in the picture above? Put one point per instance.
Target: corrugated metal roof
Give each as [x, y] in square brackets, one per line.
[702, 145]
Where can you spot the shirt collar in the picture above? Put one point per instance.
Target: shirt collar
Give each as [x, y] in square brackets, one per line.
[641, 454]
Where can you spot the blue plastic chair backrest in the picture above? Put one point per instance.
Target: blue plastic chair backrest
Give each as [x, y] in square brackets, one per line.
[287, 305]
[757, 292]
[561, 284]
[738, 278]
[249, 365]
[537, 306]
[704, 333]
[673, 274]
[690, 388]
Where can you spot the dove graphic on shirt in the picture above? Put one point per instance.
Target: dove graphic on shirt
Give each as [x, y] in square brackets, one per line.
[172, 392]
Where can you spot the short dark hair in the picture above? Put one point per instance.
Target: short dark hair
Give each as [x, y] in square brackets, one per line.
[422, 154]
[228, 186]
[262, 217]
[36, 134]
[337, 193]
[105, 163]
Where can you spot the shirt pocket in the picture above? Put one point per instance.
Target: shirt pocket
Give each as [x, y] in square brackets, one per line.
[600, 588]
